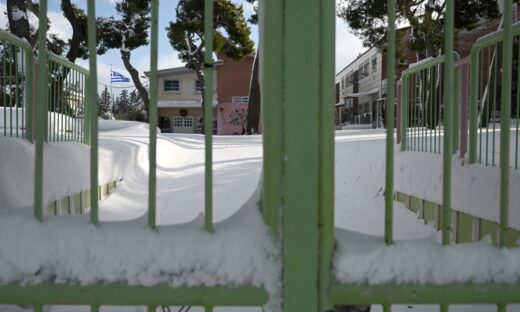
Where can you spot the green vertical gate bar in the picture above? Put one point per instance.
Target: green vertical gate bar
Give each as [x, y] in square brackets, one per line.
[473, 106]
[326, 129]
[448, 121]
[301, 191]
[4, 74]
[272, 111]
[456, 110]
[86, 113]
[17, 50]
[517, 109]
[41, 111]
[389, 167]
[152, 174]
[505, 122]
[208, 114]
[86, 110]
[28, 95]
[404, 113]
[93, 111]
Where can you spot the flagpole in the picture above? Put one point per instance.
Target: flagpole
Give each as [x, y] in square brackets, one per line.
[111, 91]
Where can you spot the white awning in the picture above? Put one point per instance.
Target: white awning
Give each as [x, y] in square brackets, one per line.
[182, 104]
[360, 94]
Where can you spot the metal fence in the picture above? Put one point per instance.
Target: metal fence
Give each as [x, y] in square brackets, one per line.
[297, 92]
[486, 108]
[478, 77]
[16, 86]
[67, 92]
[422, 106]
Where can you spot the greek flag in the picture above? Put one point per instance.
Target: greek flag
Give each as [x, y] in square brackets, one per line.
[117, 77]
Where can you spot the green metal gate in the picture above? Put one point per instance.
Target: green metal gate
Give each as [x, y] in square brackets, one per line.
[298, 95]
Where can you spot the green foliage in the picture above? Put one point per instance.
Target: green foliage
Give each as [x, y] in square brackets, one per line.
[254, 18]
[130, 31]
[231, 32]
[367, 19]
[55, 44]
[129, 106]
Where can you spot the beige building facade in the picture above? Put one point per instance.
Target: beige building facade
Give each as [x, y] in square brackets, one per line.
[179, 100]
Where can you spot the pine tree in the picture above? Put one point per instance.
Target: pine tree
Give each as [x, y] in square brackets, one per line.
[367, 19]
[122, 103]
[231, 34]
[104, 104]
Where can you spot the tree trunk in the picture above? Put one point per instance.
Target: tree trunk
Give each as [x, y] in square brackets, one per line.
[253, 108]
[202, 83]
[18, 26]
[428, 35]
[78, 33]
[143, 93]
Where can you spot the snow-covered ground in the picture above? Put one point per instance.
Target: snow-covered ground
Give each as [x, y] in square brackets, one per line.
[61, 127]
[240, 251]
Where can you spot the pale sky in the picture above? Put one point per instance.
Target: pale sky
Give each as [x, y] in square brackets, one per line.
[347, 45]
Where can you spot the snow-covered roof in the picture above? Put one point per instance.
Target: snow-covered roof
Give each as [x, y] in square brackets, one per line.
[184, 103]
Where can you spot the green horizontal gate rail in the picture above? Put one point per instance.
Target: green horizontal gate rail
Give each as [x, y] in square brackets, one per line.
[67, 91]
[298, 113]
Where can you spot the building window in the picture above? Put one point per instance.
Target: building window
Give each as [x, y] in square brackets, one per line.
[363, 69]
[348, 80]
[197, 85]
[374, 63]
[240, 99]
[179, 121]
[188, 122]
[342, 83]
[171, 85]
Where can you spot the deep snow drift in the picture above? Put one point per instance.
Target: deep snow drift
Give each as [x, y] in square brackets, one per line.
[240, 251]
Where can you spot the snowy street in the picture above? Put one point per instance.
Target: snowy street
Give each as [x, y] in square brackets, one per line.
[250, 257]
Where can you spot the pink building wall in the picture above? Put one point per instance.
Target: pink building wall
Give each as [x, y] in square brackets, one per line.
[231, 118]
[233, 80]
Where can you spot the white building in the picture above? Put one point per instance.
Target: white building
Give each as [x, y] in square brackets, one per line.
[361, 90]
